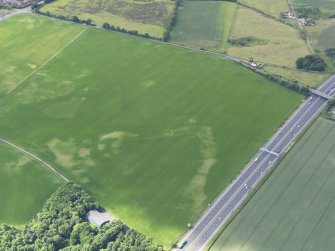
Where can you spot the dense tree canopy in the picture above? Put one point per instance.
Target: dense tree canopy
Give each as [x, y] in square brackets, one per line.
[61, 225]
[311, 63]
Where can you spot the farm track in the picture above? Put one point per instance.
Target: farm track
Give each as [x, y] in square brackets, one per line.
[18, 148]
[308, 40]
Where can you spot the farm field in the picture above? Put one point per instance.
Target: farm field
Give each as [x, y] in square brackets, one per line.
[280, 43]
[327, 7]
[25, 185]
[294, 209]
[305, 78]
[204, 24]
[323, 34]
[143, 16]
[154, 132]
[27, 52]
[272, 7]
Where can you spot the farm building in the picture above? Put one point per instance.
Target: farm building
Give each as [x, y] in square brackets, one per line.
[288, 15]
[97, 218]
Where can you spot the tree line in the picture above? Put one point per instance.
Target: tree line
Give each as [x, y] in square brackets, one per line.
[171, 21]
[62, 225]
[36, 9]
[294, 86]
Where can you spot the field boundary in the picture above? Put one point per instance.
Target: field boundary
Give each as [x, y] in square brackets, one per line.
[47, 62]
[268, 175]
[265, 14]
[306, 35]
[275, 79]
[36, 158]
[259, 186]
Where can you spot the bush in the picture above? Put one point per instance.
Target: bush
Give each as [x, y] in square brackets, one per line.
[171, 21]
[311, 63]
[245, 41]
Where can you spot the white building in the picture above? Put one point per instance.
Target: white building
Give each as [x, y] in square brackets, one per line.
[97, 218]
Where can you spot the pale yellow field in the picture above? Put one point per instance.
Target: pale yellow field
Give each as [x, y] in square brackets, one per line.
[283, 43]
[306, 78]
[272, 7]
[143, 16]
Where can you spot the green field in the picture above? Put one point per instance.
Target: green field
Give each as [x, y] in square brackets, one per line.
[148, 16]
[25, 185]
[204, 24]
[154, 132]
[281, 44]
[272, 7]
[39, 41]
[294, 209]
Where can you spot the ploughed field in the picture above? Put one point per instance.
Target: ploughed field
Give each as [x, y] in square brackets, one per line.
[154, 132]
[294, 209]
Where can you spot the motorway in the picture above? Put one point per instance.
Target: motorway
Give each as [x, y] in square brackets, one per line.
[214, 218]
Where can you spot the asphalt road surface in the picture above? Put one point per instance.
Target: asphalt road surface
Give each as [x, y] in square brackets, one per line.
[227, 202]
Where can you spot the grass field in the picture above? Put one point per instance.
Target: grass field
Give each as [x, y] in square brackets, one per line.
[312, 79]
[25, 185]
[24, 54]
[282, 43]
[154, 132]
[327, 7]
[294, 209]
[204, 24]
[144, 16]
[272, 7]
[323, 34]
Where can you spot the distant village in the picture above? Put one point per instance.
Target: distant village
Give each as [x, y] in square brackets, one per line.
[17, 3]
[305, 21]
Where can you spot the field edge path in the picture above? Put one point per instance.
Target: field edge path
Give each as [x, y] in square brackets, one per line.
[20, 149]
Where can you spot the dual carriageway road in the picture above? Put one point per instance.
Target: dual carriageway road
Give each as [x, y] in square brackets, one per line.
[214, 218]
